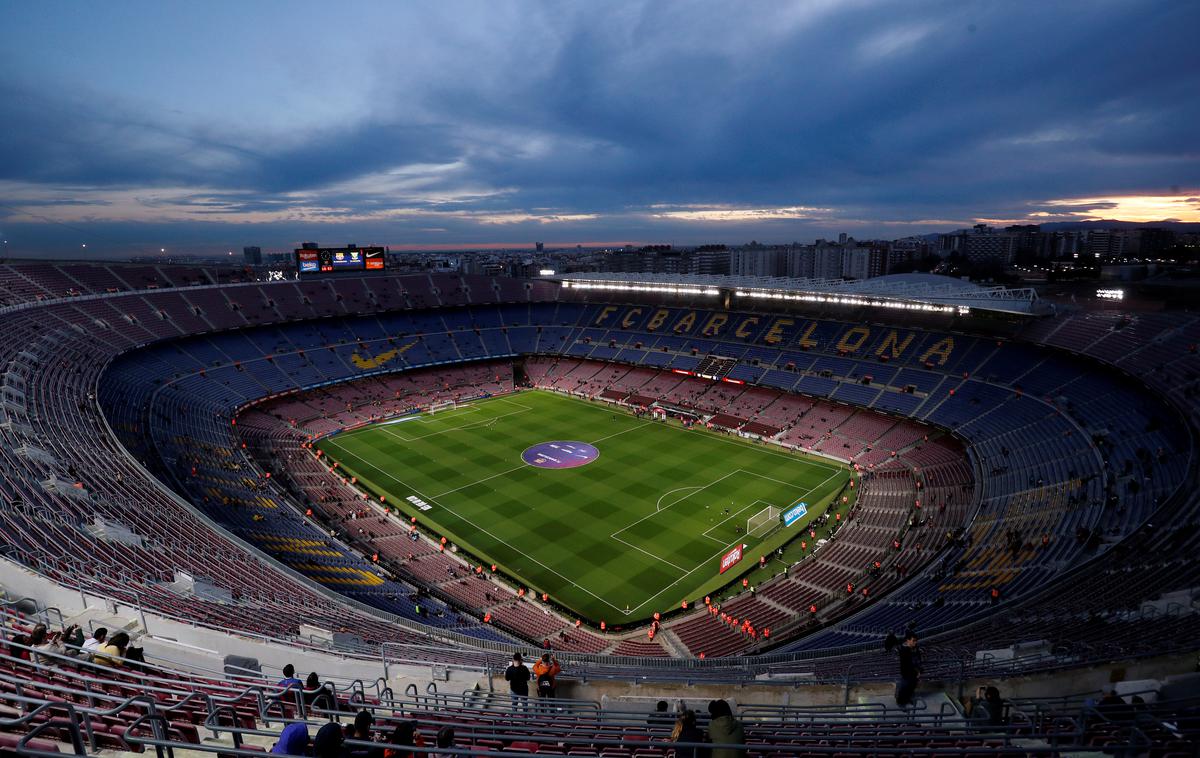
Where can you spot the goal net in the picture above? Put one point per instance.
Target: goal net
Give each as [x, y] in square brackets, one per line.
[442, 405]
[762, 522]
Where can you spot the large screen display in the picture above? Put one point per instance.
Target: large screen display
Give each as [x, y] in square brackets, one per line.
[346, 259]
[307, 261]
[334, 259]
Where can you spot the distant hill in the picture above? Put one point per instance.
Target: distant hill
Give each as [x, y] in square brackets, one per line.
[1179, 226]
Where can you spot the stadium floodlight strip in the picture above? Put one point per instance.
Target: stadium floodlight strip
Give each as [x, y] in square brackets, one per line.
[674, 289]
[961, 310]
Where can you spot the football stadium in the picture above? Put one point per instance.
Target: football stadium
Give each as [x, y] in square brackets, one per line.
[681, 487]
[788, 379]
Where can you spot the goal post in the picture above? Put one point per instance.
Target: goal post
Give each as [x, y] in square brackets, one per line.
[442, 405]
[762, 522]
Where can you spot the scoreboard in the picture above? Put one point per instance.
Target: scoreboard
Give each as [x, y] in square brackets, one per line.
[327, 260]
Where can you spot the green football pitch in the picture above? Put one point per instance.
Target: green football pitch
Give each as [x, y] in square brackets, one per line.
[638, 529]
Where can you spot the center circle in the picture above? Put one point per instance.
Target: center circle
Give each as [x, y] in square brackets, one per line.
[560, 454]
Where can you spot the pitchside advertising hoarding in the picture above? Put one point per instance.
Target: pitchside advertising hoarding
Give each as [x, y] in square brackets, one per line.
[730, 559]
[795, 513]
[324, 260]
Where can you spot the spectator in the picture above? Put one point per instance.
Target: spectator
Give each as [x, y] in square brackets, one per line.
[37, 637]
[517, 676]
[328, 742]
[1114, 708]
[445, 741]
[289, 679]
[13, 646]
[686, 731]
[547, 670]
[361, 731]
[404, 735]
[315, 694]
[113, 653]
[95, 642]
[724, 729]
[660, 715]
[986, 707]
[55, 644]
[293, 740]
[910, 669]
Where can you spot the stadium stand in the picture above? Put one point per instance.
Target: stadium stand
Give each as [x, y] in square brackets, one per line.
[994, 473]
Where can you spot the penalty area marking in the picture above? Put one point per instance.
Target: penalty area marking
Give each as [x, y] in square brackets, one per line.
[521, 553]
[733, 516]
[659, 506]
[647, 552]
[429, 417]
[725, 546]
[461, 427]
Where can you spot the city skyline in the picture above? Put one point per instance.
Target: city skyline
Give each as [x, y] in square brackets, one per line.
[203, 129]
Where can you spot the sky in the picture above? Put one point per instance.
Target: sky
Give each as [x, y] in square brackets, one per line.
[136, 127]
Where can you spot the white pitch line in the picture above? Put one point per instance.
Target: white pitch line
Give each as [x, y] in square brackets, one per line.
[480, 528]
[789, 456]
[680, 579]
[429, 418]
[623, 431]
[513, 402]
[769, 448]
[523, 465]
[722, 550]
[730, 517]
[677, 502]
[658, 504]
[652, 555]
[481, 481]
[456, 428]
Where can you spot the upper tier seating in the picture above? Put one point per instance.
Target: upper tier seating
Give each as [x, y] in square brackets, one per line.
[1066, 461]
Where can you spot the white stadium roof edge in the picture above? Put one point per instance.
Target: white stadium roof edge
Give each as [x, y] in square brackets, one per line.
[914, 292]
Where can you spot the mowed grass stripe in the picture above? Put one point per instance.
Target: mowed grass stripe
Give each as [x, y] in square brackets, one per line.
[554, 529]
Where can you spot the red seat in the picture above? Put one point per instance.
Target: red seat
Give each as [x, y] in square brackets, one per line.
[528, 747]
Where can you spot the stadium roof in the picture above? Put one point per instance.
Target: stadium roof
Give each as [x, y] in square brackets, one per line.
[925, 292]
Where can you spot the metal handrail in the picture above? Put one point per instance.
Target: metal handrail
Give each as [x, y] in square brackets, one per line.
[30, 717]
[641, 662]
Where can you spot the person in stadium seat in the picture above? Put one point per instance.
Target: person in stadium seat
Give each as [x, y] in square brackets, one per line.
[686, 730]
[660, 716]
[113, 653]
[445, 741]
[95, 642]
[517, 675]
[293, 740]
[404, 735]
[986, 707]
[328, 742]
[289, 679]
[315, 695]
[37, 638]
[362, 726]
[910, 669]
[547, 670]
[56, 643]
[724, 729]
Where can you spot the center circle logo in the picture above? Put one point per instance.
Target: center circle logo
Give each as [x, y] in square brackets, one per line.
[560, 454]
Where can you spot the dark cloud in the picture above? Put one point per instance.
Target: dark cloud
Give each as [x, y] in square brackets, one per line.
[885, 113]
